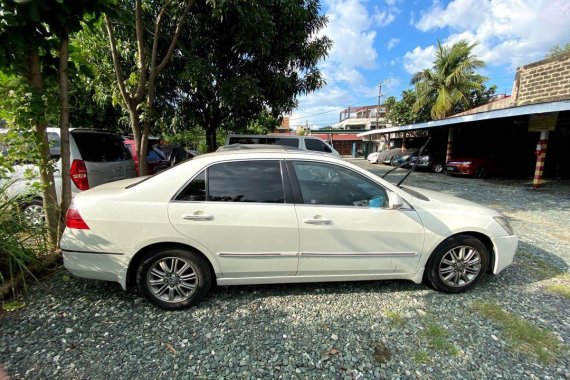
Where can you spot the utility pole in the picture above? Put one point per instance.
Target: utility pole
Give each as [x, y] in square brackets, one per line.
[379, 103]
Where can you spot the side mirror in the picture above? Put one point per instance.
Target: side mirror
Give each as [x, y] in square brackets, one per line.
[394, 201]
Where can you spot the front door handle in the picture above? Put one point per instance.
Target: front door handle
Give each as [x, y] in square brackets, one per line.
[319, 220]
[197, 216]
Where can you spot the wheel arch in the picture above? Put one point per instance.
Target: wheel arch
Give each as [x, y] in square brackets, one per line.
[139, 256]
[486, 240]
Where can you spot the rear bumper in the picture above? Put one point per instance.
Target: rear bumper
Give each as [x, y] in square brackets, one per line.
[505, 248]
[96, 265]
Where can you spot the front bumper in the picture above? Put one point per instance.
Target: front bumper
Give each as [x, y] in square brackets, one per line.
[96, 265]
[458, 170]
[505, 248]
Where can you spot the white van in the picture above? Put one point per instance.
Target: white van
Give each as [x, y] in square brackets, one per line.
[300, 142]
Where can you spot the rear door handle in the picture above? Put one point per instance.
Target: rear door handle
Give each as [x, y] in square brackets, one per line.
[197, 216]
[318, 221]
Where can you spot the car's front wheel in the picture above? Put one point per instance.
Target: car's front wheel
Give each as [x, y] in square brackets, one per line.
[458, 264]
[437, 167]
[173, 279]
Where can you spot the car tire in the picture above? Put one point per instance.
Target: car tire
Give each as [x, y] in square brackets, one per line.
[457, 265]
[437, 167]
[481, 173]
[33, 212]
[173, 279]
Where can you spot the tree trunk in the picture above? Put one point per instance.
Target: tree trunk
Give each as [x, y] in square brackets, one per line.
[64, 130]
[135, 127]
[211, 138]
[45, 167]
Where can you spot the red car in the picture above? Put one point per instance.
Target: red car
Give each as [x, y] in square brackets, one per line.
[478, 167]
[155, 159]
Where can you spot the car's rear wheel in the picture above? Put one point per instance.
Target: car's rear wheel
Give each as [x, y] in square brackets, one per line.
[458, 264]
[173, 279]
[437, 167]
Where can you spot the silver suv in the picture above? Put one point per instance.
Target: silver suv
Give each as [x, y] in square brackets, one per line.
[97, 157]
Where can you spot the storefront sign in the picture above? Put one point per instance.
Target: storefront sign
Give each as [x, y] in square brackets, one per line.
[542, 122]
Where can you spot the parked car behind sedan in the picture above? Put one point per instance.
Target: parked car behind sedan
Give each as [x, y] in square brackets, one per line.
[478, 167]
[261, 216]
[96, 157]
[373, 157]
[386, 156]
[404, 157]
[156, 160]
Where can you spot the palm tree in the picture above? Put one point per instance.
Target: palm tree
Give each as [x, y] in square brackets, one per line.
[447, 84]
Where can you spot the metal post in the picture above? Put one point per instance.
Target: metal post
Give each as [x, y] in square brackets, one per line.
[449, 144]
[540, 158]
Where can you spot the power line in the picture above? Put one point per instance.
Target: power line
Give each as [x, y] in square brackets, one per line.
[333, 110]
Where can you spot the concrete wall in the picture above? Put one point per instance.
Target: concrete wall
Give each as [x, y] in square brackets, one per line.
[543, 81]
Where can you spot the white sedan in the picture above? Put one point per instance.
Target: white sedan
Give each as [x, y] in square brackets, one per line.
[277, 216]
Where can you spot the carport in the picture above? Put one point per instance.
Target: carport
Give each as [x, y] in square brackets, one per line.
[525, 140]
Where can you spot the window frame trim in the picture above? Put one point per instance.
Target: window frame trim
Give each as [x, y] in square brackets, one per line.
[288, 195]
[298, 197]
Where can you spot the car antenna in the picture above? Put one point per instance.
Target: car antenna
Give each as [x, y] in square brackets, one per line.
[413, 166]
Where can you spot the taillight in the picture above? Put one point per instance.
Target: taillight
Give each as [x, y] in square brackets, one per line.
[78, 175]
[74, 220]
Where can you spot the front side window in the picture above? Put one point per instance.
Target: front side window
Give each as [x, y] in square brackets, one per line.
[325, 184]
[317, 145]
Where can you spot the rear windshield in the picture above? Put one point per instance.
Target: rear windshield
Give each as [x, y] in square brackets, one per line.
[101, 147]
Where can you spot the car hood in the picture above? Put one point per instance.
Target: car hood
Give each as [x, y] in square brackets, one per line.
[440, 202]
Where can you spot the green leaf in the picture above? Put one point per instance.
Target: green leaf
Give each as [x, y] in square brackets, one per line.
[66, 278]
[14, 305]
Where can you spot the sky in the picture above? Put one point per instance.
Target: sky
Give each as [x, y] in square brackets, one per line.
[387, 41]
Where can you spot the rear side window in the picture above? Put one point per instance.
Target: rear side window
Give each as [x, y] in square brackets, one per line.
[247, 140]
[195, 191]
[244, 181]
[317, 146]
[101, 147]
[293, 142]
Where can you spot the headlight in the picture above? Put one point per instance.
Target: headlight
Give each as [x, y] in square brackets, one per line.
[405, 157]
[424, 158]
[504, 222]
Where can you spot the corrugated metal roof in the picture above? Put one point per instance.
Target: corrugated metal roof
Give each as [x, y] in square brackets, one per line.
[489, 115]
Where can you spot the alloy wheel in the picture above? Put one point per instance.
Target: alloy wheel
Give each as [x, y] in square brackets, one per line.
[460, 266]
[172, 279]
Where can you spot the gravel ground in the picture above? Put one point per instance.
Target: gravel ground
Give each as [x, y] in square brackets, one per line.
[75, 328]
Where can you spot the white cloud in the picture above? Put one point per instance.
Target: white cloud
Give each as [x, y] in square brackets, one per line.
[393, 42]
[512, 32]
[384, 18]
[351, 27]
[419, 59]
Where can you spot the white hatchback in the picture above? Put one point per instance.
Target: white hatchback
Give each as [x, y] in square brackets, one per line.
[277, 216]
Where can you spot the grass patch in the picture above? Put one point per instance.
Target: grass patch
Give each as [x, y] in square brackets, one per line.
[523, 336]
[421, 357]
[534, 264]
[437, 338]
[561, 289]
[395, 317]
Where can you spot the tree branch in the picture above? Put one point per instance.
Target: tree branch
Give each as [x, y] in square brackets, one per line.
[141, 64]
[181, 20]
[155, 40]
[118, 71]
